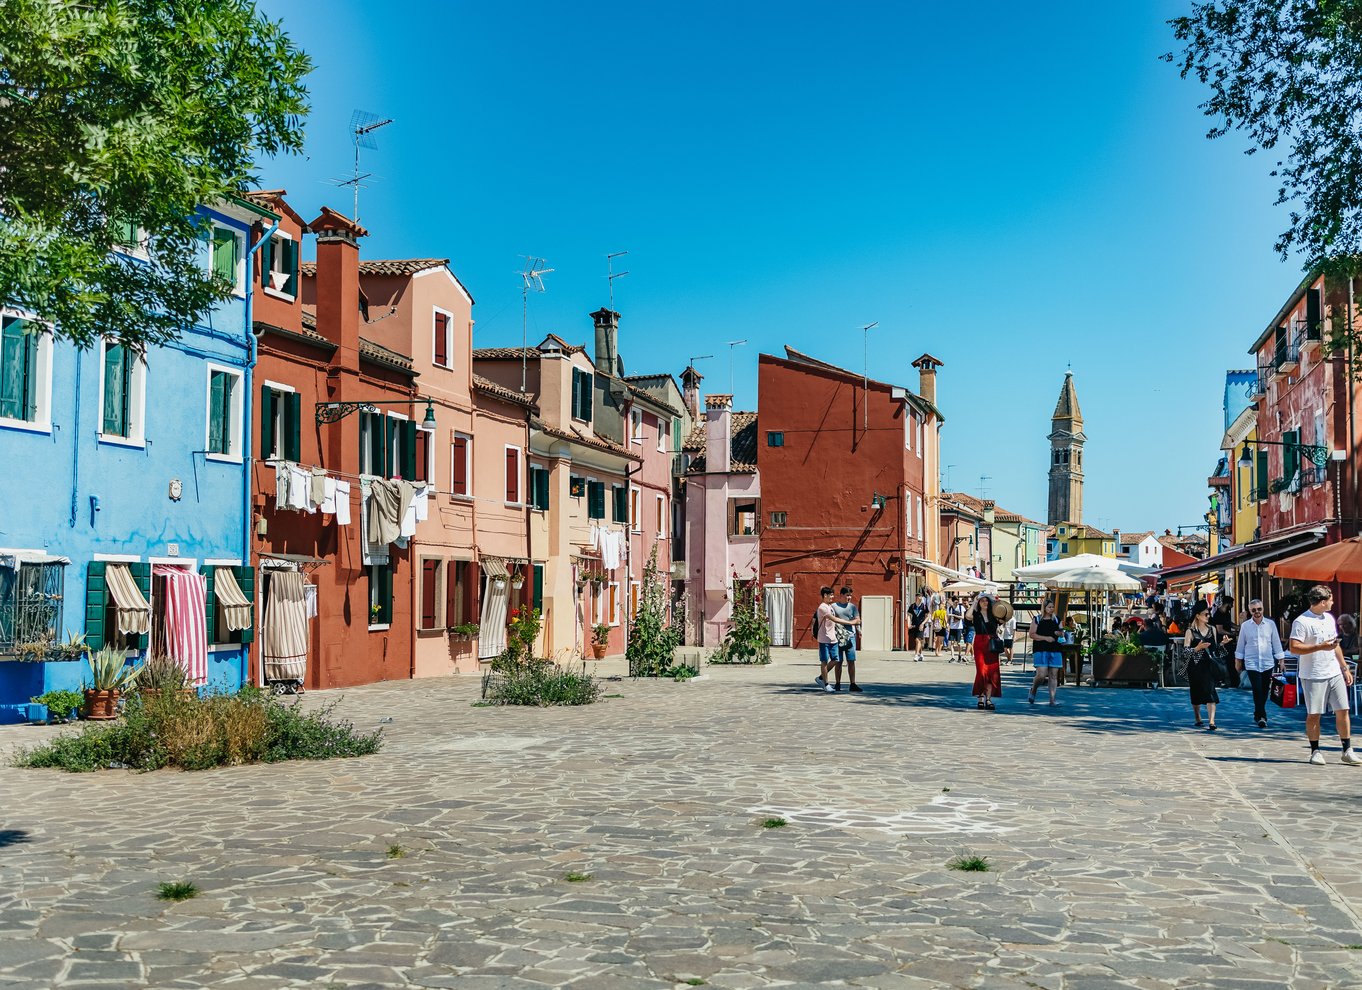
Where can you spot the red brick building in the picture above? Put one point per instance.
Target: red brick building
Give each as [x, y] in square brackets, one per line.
[849, 490]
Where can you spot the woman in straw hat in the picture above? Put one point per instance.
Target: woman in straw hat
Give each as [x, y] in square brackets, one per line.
[988, 682]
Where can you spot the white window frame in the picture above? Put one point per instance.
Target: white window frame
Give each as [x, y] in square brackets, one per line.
[391, 452]
[265, 280]
[662, 517]
[430, 454]
[635, 507]
[908, 427]
[233, 456]
[278, 453]
[137, 404]
[42, 415]
[239, 286]
[636, 426]
[449, 337]
[663, 428]
[141, 250]
[919, 434]
[467, 465]
[921, 524]
[908, 521]
[520, 477]
[609, 517]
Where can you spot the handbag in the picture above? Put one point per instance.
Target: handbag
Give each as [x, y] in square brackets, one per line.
[1283, 690]
[996, 645]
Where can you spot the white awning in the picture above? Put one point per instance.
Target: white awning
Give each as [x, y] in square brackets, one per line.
[494, 567]
[936, 568]
[134, 612]
[236, 610]
[13, 558]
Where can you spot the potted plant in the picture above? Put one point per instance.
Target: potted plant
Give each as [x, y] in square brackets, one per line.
[1123, 658]
[600, 639]
[110, 676]
[162, 675]
[517, 580]
[465, 631]
[61, 705]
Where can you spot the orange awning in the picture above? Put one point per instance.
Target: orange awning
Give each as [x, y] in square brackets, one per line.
[1340, 561]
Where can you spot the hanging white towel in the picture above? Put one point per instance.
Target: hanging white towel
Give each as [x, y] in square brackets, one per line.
[406, 528]
[422, 502]
[611, 543]
[310, 600]
[298, 481]
[342, 503]
[595, 537]
[316, 489]
[281, 476]
[328, 505]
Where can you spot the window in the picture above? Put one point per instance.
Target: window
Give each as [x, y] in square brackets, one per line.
[224, 413]
[908, 422]
[387, 445]
[676, 434]
[778, 520]
[635, 510]
[663, 428]
[636, 425]
[635, 588]
[921, 524]
[30, 603]
[582, 385]
[279, 265]
[443, 334]
[1064, 548]
[662, 517]
[227, 255]
[619, 509]
[280, 423]
[380, 595]
[424, 454]
[25, 372]
[459, 605]
[919, 434]
[123, 387]
[512, 475]
[539, 487]
[459, 463]
[595, 499]
[1063, 531]
[775, 438]
[128, 238]
[215, 576]
[612, 606]
[576, 486]
[430, 593]
[744, 517]
[908, 517]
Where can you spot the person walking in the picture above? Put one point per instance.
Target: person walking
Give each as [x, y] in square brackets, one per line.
[1258, 652]
[918, 614]
[1046, 655]
[845, 609]
[988, 682]
[1201, 637]
[957, 629]
[939, 625]
[1324, 675]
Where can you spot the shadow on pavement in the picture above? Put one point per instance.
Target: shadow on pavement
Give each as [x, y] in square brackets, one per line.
[13, 837]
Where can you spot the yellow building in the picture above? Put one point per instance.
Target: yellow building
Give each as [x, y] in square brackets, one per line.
[1069, 539]
[1244, 481]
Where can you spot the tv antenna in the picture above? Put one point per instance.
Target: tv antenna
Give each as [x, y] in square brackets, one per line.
[947, 485]
[532, 279]
[362, 127]
[731, 345]
[611, 275]
[984, 479]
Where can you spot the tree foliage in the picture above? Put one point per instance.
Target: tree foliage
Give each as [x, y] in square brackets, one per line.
[131, 112]
[1287, 74]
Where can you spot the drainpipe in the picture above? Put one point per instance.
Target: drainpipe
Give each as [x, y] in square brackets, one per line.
[246, 432]
[76, 437]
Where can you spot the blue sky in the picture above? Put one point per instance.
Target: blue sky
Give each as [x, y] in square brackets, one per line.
[1012, 188]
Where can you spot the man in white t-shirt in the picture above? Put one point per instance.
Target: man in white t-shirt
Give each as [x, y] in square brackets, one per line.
[1324, 675]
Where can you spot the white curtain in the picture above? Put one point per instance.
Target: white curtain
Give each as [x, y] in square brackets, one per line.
[492, 625]
[780, 612]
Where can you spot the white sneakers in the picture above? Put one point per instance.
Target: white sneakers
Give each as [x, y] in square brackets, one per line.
[1351, 758]
[819, 681]
[1317, 758]
[829, 689]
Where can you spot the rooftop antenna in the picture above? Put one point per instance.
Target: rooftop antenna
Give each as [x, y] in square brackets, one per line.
[532, 277]
[947, 485]
[611, 275]
[865, 374]
[362, 127]
[984, 479]
[731, 345]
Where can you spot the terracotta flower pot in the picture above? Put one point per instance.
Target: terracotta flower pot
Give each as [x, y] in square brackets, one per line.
[101, 706]
[598, 651]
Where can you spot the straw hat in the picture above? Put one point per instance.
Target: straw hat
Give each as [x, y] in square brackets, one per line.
[1002, 611]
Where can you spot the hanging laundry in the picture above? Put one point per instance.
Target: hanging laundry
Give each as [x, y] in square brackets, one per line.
[422, 503]
[342, 503]
[407, 526]
[316, 493]
[328, 503]
[281, 476]
[612, 544]
[384, 513]
[310, 600]
[298, 481]
[595, 537]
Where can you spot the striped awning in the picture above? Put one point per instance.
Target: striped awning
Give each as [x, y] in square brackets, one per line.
[134, 612]
[283, 647]
[494, 567]
[236, 610]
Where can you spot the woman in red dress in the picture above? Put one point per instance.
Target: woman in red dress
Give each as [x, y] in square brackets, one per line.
[988, 682]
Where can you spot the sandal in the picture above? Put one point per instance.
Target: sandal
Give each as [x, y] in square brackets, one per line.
[1210, 727]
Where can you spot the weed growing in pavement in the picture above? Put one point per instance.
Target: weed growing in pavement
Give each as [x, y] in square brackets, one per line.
[694, 981]
[194, 733]
[970, 863]
[613, 696]
[396, 852]
[945, 790]
[177, 890]
[774, 823]
[538, 682]
[575, 877]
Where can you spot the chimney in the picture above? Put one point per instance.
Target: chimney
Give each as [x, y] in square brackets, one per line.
[337, 292]
[607, 341]
[718, 434]
[926, 383]
[690, 391]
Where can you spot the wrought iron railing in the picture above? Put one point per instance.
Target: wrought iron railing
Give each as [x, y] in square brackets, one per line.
[30, 604]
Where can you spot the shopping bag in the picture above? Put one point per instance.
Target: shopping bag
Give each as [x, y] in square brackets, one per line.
[1283, 690]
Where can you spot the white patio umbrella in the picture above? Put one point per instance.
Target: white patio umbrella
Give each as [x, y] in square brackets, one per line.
[970, 586]
[1093, 579]
[1050, 568]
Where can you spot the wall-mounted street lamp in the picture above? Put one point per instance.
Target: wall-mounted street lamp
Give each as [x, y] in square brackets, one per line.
[1315, 452]
[334, 412]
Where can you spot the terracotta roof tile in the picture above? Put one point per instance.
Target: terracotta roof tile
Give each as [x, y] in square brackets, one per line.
[533, 353]
[502, 392]
[399, 266]
[307, 331]
[742, 445]
[383, 355]
[586, 439]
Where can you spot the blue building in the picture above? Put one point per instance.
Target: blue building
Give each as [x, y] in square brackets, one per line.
[122, 465]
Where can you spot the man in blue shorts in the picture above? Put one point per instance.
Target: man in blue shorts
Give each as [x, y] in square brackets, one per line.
[846, 610]
[825, 622]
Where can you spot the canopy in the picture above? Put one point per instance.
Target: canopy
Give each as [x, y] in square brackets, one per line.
[1049, 568]
[970, 586]
[946, 572]
[1093, 579]
[283, 648]
[1340, 561]
[134, 614]
[236, 610]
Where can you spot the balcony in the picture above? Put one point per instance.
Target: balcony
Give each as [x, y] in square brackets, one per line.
[1257, 388]
[1286, 357]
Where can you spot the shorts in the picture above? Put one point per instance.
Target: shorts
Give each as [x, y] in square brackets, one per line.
[848, 652]
[1332, 693]
[957, 635]
[827, 653]
[1049, 659]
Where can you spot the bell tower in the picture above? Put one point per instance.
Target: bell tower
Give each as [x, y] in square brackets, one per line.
[1066, 457]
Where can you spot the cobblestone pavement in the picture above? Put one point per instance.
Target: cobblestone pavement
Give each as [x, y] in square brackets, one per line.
[1127, 850]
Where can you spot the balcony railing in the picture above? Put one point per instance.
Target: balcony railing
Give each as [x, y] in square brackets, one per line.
[1286, 357]
[1257, 387]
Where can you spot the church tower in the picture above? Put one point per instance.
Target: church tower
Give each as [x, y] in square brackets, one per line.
[1066, 457]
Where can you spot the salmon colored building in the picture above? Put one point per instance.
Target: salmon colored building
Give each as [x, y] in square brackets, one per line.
[330, 400]
[848, 470]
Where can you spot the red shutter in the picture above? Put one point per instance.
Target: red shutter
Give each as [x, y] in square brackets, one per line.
[422, 455]
[453, 594]
[441, 338]
[472, 604]
[512, 476]
[430, 579]
[460, 466]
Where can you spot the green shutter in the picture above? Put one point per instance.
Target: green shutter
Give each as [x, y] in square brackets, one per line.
[217, 412]
[266, 261]
[1261, 478]
[1291, 453]
[621, 507]
[116, 386]
[210, 605]
[18, 354]
[291, 266]
[409, 449]
[224, 257]
[141, 574]
[384, 574]
[540, 488]
[293, 414]
[538, 601]
[96, 598]
[245, 579]
[266, 421]
[595, 499]
[389, 433]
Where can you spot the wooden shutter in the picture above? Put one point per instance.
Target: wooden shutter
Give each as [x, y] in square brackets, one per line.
[217, 412]
[595, 499]
[422, 448]
[460, 472]
[453, 594]
[576, 393]
[541, 488]
[267, 398]
[619, 510]
[1291, 453]
[210, 610]
[1261, 479]
[441, 338]
[512, 476]
[409, 449]
[141, 574]
[291, 266]
[266, 261]
[472, 603]
[537, 596]
[430, 582]
[245, 580]
[96, 601]
[389, 435]
[1314, 313]
[293, 426]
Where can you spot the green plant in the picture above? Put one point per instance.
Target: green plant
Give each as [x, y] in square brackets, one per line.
[396, 852]
[177, 890]
[537, 682]
[651, 650]
[694, 981]
[573, 876]
[37, 650]
[1129, 646]
[110, 670]
[375, 610]
[774, 823]
[748, 640]
[465, 629]
[75, 647]
[60, 704]
[600, 634]
[970, 863]
[161, 673]
[522, 631]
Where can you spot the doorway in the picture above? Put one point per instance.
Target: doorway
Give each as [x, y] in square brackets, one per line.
[877, 623]
[780, 613]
